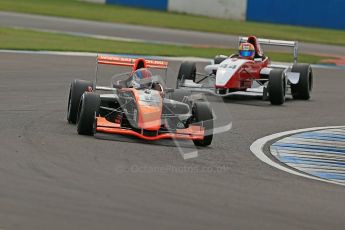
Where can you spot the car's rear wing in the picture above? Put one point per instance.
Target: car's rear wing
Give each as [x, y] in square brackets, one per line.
[131, 62]
[272, 42]
[134, 63]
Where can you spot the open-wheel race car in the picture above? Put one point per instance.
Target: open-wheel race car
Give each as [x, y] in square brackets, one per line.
[251, 73]
[138, 105]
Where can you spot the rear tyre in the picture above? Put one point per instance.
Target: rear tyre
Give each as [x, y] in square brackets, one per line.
[302, 90]
[202, 113]
[219, 59]
[77, 88]
[276, 87]
[187, 72]
[180, 94]
[88, 110]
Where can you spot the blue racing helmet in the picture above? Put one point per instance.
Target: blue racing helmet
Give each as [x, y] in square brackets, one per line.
[246, 50]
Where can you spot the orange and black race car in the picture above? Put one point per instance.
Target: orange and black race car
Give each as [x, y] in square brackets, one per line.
[139, 105]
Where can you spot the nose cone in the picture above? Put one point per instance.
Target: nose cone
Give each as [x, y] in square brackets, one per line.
[149, 110]
[150, 117]
[228, 69]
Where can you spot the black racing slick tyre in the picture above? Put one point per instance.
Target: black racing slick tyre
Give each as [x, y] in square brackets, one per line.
[202, 114]
[187, 72]
[88, 111]
[277, 87]
[302, 90]
[180, 94]
[219, 59]
[77, 88]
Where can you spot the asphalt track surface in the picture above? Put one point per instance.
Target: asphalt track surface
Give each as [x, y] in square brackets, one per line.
[142, 33]
[51, 178]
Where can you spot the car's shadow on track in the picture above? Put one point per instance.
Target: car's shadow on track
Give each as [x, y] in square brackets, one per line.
[131, 139]
[251, 101]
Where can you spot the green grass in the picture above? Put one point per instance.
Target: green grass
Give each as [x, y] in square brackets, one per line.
[82, 10]
[22, 39]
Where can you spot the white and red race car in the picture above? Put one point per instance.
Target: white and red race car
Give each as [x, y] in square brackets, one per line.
[258, 77]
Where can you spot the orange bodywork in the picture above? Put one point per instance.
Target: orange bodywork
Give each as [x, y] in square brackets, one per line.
[149, 116]
[193, 132]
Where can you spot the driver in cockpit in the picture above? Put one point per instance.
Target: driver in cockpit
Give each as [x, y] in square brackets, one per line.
[143, 79]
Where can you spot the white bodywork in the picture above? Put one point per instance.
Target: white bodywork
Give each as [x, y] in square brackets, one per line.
[293, 77]
[227, 69]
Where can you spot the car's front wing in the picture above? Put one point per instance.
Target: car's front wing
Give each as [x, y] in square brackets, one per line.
[193, 132]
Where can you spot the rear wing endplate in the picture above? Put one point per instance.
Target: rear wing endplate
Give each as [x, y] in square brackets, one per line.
[272, 42]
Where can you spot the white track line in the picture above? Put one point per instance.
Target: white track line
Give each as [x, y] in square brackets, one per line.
[258, 145]
[90, 54]
[192, 59]
[103, 37]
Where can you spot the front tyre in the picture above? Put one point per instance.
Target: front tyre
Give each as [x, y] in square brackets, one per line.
[277, 87]
[187, 72]
[88, 111]
[202, 114]
[302, 90]
[77, 88]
